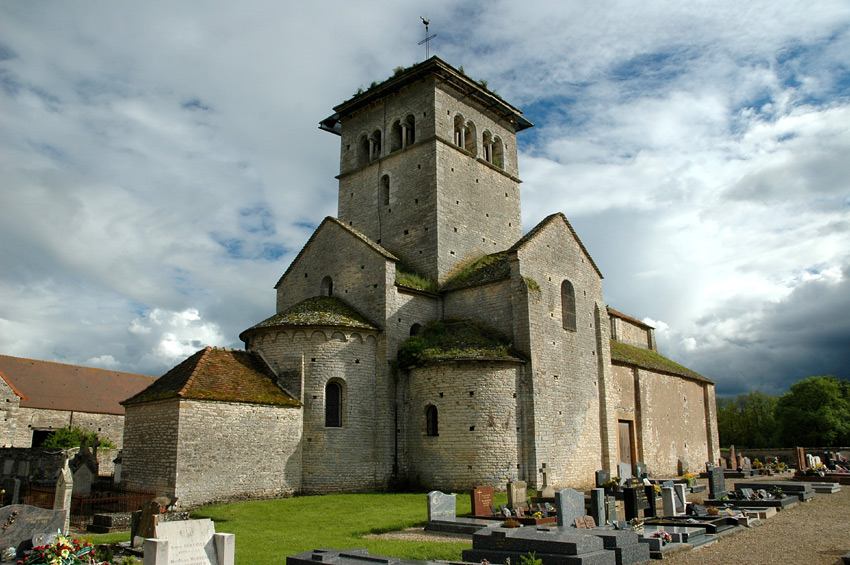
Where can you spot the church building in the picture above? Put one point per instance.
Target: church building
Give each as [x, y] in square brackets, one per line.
[420, 338]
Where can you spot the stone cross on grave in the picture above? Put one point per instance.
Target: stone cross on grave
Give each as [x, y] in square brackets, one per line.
[545, 491]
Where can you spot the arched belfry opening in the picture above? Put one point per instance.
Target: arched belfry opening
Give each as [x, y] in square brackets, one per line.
[327, 287]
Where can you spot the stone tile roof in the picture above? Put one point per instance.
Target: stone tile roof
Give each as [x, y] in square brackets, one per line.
[57, 386]
[490, 268]
[546, 221]
[227, 375]
[353, 232]
[317, 311]
[635, 321]
[651, 360]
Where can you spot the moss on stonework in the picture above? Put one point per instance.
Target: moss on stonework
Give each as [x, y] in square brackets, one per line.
[318, 311]
[405, 276]
[453, 339]
[488, 268]
[650, 360]
[531, 284]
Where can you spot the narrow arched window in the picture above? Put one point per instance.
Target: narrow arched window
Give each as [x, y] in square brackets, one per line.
[568, 306]
[409, 128]
[459, 131]
[333, 405]
[487, 146]
[469, 138]
[396, 136]
[431, 427]
[375, 145]
[363, 151]
[498, 153]
[327, 288]
[385, 190]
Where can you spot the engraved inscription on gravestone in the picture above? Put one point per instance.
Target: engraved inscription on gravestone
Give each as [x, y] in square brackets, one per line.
[482, 501]
[190, 542]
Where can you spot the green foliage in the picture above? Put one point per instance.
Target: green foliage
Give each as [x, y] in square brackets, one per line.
[483, 83]
[65, 438]
[452, 339]
[649, 359]
[530, 559]
[531, 284]
[398, 70]
[747, 420]
[815, 412]
[405, 276]
[484, 269]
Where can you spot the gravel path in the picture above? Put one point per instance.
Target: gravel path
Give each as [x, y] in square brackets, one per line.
[816, 532]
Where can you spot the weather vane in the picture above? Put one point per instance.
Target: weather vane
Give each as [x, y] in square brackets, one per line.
[428, 38]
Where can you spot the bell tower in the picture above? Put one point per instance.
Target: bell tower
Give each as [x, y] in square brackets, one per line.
[428, 167]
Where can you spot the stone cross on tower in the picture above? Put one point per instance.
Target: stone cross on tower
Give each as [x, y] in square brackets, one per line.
[545, 491]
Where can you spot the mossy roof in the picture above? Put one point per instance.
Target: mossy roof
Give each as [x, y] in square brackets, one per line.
[317, 311]
[489, 268]
[651, 360]
[454, 340]
[225, 375]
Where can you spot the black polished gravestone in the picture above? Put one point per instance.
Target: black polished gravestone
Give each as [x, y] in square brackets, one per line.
[553, 546]
[651, 510]
[20, 522]
[634, 498]
[602, 477]
[716, 482]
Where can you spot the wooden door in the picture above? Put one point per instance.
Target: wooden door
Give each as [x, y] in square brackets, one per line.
[625, 432]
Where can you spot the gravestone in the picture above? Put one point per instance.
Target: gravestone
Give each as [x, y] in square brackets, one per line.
[189, 542]
[19, 523]
[517, 494]
[566, 546]
[611, 509]
[441, 506]
[143, 523]
[597, 505]
[668, 501]
[482, 501]
[733, 456]
[748, 464]
[723, 463]
[651, 510]
[624, 470]
[716, 482]
[740, 462]
[634, 498]
[681, 498]
[8, 466]
[546, 490]
[640, 470]
[570, 505]
[64, 494]
[84, 467]
[602, 477]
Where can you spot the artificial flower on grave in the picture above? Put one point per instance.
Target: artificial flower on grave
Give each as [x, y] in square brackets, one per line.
[62, 551]
[636, 524]
[538, 515]
[690, 479]
[664, 536]
[657, 489]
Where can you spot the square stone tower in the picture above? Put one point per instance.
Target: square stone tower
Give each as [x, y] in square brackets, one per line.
[428, 167]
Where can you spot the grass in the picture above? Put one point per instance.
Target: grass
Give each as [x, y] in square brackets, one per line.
[452, 339]
[405, 276]
[485, 269]
[267, 531]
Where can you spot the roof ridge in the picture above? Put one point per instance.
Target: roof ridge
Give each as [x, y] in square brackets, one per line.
[191, 380]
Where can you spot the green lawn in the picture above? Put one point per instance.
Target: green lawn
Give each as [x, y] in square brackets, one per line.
[269, 530]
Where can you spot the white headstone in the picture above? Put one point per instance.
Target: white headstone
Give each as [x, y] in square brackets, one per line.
[64, 493]
[189, 542]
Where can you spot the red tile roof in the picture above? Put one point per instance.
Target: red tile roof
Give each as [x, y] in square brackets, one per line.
[228, 375]
[57, 386]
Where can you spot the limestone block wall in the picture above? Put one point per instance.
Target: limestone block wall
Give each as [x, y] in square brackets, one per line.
[105, 425]
[356, 456]
[478, 441]
[491, 304]
[151, 437]
[407, 308]
[360, 275]
[233, 451]
[628, 332]
[673, 416]
[10, 404]
[572, 433]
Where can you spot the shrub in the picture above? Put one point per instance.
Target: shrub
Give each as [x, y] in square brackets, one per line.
[65, 438]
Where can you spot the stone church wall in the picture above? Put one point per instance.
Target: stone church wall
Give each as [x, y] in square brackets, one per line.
[478, 440]
[570, 432]
[671, 418]
[632, 334]
[350, 457]
[233, 451]
[489, 304]
[360, 274]
[10, 404]
[106, 425]
[149, 460]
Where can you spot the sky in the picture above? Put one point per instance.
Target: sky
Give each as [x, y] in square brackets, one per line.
[161, 164]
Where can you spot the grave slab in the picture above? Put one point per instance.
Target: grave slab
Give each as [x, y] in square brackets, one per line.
[189, 542]
[570, 505]
[20, 522]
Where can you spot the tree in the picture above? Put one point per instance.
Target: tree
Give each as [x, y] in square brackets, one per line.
[747, 420]
[815, 412]
[67, 438]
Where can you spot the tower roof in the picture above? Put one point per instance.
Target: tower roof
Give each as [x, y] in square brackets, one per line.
[445, 73]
